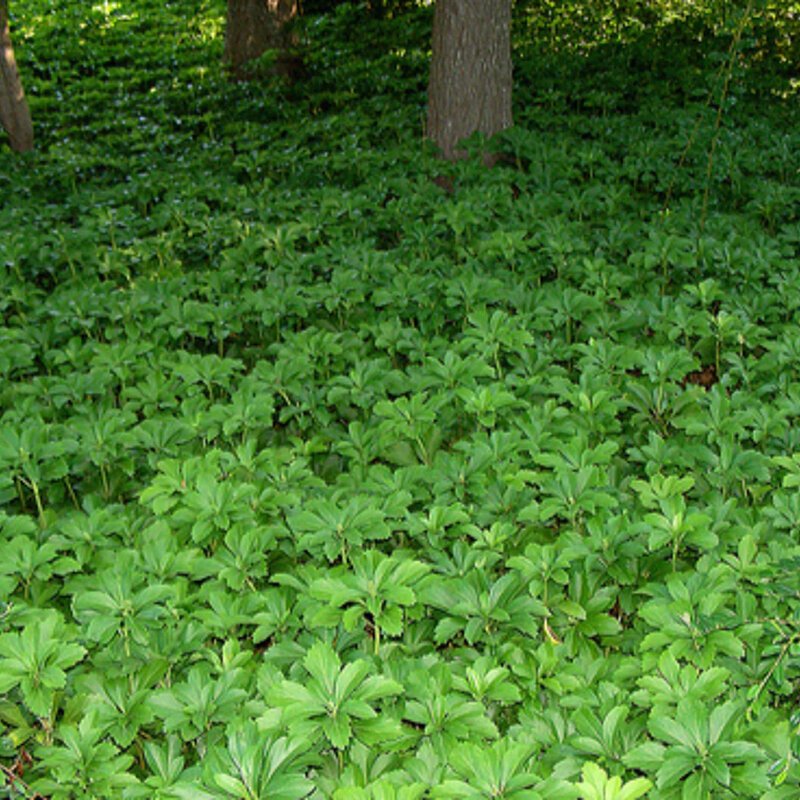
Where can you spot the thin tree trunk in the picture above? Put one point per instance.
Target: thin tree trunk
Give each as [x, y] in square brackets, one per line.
[14, 114]
[255, 26]
[470, 78]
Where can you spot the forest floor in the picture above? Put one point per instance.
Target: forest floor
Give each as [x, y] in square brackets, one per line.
[317, 478]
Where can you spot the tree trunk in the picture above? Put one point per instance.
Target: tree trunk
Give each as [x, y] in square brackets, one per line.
[255, 26]
[470, 78]
[14, 114]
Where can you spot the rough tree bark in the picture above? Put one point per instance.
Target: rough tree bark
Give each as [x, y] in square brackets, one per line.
[15, 116]
[470, 78]
[255, 26]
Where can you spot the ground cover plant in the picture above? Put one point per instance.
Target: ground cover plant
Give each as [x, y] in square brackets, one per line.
[329, 469]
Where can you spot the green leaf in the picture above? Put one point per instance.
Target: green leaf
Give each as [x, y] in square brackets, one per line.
[350, 678]
[677, 764]
[670, 730]
[647, 757]
[634, 789]
[718, 770]
[231, 785]
[337, 730]
[323, 665]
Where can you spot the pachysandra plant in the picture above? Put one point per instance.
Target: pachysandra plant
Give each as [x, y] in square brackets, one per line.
[333, 469]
